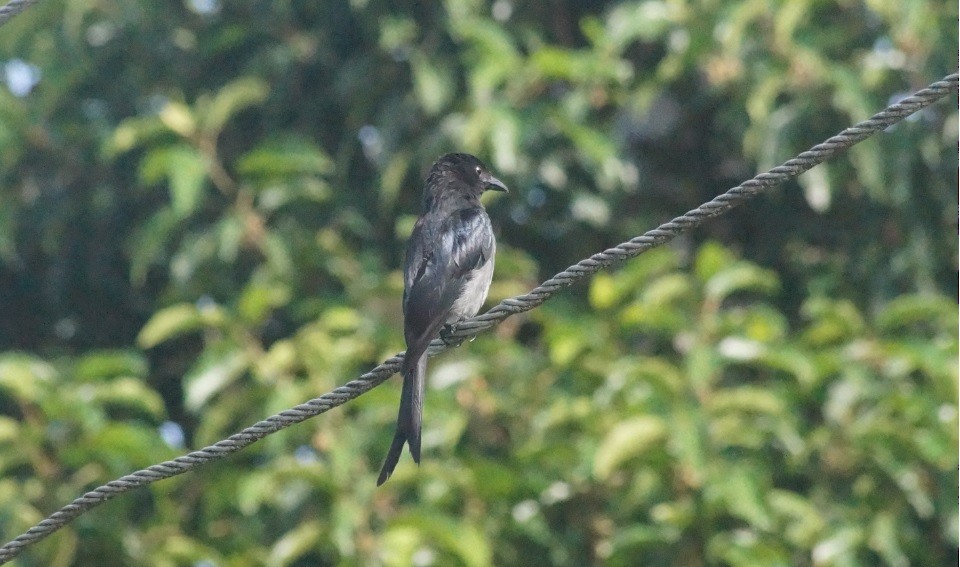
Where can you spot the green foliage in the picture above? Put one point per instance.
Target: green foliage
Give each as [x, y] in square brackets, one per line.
[202, 215]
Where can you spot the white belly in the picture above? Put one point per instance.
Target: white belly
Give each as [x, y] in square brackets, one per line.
[474, 293]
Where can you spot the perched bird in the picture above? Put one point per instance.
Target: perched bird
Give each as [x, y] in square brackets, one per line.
[447, 273]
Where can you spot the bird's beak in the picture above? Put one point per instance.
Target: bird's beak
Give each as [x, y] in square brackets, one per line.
[493, 183]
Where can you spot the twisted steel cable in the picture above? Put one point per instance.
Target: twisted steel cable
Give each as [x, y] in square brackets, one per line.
[12, 8]
[471, 327]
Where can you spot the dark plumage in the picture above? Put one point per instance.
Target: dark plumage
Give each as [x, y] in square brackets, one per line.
[447, 273]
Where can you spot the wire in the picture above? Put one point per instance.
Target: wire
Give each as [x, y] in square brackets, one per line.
[12, 8]
[471, 327]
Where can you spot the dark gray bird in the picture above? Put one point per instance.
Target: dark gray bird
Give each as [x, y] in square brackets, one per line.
[447, 273]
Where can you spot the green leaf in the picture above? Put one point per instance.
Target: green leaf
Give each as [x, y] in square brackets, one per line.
[712, 257]
[218, 367]
[131, 394]
[102, 365]
[740, 492]
[10, 429]
[241, 93]
[603, 291]
[630, 540]
[909, 310]
[170, 323]
[747, 399]
[187, 173]
[132, 133]
[259, 299]
[179, 118]
[831, 321]
[558, 63]
[746, 548]
[630, 280]
[646, 21]
[668, 289]
[627, 440]
[185, 169]
[741, 277]
[285, 157]
[432, 84]
[802, 518]
[148, 246]
[686, 444]
[23, 375]
[296, 543]
[593, 144]
[122, 445]
[885, 539]
[462, 539]
[801, 365]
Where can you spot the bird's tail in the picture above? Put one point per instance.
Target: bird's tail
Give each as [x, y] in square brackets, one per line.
[409, 418]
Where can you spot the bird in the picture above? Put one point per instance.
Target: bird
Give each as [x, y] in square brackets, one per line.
[446, 276]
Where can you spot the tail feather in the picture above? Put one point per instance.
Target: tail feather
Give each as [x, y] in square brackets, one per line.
[409, 419]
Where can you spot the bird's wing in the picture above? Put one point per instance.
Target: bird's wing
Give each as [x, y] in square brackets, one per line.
[472, 242]
[440, 256]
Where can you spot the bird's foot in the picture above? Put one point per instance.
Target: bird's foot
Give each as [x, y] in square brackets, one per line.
[446, 335]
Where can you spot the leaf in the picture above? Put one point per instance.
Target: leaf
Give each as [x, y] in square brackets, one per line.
[633, 539]
[259, 299]
[565, 345]
[22, 375]
[121, 445]
[840, 546]
[745, 548]
[110, 364]
[10, 432]
[741, 277]
[134, 132]
[461, 539]
[179, 118]
[185, 169]
[800, 365]
[297, 543]
[803, 520]
[884, 538]
[831, 321]
[219, 366]
[148, 245]
[747, 399]
[668, 289]
[686, 445]
[432, 84]
[646, 21]
[131, 394]
[187, 173]
[661, 304]
[627, 440]
[603, 292]
[169, 323]
[712, 257]
[740, 492]
[183, 550]
[593, 144]
[285, 157]
[557, 63]
[610, 288]
[232, 98]
[908, 310]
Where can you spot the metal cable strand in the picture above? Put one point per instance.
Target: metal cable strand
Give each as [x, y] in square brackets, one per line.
[472, 327]
[12, 8]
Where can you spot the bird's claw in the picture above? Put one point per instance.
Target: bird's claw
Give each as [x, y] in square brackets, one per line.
[446, 336]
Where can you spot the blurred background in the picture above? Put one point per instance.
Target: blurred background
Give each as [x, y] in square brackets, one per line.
[203, 212]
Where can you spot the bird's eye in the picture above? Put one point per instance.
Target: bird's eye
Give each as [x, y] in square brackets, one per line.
[479, 170]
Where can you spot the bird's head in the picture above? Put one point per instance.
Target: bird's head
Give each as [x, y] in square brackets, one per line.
[459, 174]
